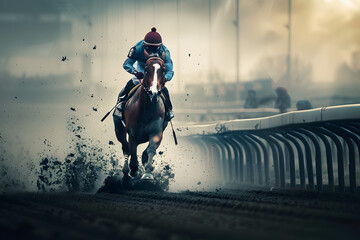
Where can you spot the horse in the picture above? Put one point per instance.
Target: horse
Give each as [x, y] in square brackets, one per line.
[144, 118]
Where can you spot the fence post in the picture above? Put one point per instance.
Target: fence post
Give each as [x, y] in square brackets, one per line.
[266, 158]
[281, 158]
[300, 159]
[292, 159]
[249, 161]
[258, 157]
[328, 158]
[317, 157]
[309, 166]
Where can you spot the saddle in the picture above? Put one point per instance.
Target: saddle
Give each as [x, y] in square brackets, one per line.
[131, 92]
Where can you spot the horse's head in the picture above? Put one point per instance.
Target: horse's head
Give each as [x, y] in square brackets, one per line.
[154, 79]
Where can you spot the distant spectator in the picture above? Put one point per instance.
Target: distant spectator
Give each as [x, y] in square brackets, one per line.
[303, 105]
[251, 100]
[283, 101]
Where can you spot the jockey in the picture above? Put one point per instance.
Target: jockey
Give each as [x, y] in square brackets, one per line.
[135, 64]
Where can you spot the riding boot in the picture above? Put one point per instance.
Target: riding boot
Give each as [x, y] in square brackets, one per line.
[168, 105]
[124, 92]
[122, 97]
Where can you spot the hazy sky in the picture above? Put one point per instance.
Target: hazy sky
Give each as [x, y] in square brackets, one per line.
[324, 34]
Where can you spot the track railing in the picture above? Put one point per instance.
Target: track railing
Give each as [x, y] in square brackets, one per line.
[314, 149]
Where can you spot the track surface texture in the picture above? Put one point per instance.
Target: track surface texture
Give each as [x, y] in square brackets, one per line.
[225, 214]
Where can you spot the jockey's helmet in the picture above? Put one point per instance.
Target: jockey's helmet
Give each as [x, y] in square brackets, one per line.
[153, 38]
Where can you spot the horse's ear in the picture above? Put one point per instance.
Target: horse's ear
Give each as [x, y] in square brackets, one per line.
[146, 54]
[163, 56]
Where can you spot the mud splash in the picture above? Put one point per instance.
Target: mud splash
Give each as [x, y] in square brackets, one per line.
[117, 182]
[81, 170]
[87, 165]
[80, 163]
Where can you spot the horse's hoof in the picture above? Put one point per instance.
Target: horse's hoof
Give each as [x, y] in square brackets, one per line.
[126, 169]
[134, 167]
[133, 174]
[118, 175]
[147, 176]
[125, 172]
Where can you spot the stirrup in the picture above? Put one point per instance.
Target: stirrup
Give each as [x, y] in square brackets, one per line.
[169, 115]
[122, 98]
[119, 110]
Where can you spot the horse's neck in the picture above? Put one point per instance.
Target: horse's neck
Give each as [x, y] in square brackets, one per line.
[144, 100]
[140, 110]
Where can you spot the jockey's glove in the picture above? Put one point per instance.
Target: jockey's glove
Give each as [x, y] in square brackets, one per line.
[139, 75]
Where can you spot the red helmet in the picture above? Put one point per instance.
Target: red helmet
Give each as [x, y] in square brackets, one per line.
[152, 38]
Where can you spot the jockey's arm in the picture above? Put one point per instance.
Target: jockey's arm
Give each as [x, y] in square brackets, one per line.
[169, 73]
[132, 58]
[129, 65]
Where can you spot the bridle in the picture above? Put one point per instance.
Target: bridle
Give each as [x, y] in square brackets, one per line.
[147, 64]
[162, 63]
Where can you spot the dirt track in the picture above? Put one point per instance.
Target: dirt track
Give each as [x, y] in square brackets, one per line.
[246, 214]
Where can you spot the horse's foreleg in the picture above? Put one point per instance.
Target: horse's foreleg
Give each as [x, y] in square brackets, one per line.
[134, 164]
[125, 168]
[151, 151]
[120, 133]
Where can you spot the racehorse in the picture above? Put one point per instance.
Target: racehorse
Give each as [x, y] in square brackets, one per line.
[144, 118]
